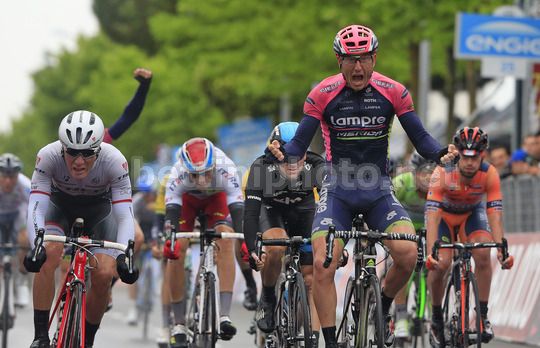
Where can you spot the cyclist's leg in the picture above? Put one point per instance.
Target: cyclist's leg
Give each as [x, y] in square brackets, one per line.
[271, 222]
[250, 294]
[331, 209]
[43, 287]
[437, 278]
[477, 230]
[300, 221]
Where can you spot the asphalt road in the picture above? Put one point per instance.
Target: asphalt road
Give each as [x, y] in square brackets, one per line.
[115, 332]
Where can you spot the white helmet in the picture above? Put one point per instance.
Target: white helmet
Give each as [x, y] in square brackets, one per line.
[81, 130]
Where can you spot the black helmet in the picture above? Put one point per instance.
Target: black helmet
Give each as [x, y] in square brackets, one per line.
[10, 164]
[420, 163]
[471, 141]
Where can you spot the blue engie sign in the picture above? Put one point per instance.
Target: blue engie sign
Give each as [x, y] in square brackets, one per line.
[479, 36]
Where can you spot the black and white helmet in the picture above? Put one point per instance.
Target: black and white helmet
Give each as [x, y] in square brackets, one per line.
[81, 130]
[10, 164]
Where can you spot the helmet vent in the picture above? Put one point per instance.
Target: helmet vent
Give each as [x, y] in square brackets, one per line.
[78, 135]
[69, 118]
[68, 132]
[92, 119]
[88, 135]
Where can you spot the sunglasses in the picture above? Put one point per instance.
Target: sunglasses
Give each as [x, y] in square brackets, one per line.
[85, 153]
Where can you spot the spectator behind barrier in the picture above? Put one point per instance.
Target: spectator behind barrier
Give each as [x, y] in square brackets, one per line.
[499, 157]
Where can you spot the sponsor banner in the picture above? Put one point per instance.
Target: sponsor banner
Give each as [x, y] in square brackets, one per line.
[514, 302]
[493, 36]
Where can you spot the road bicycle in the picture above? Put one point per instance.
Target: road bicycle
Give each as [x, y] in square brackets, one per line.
[203, 316]
[461, 305]
[7, 315]
[70, 306]
[292, 313]
[362, 323]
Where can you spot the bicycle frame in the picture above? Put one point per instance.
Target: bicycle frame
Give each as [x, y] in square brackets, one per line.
[365, 273]
[74, 277]
[207, 268]
[290, 269]
[461, 270]
[8, 310]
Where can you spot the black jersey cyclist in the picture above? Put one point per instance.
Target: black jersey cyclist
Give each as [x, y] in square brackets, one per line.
[280, 201]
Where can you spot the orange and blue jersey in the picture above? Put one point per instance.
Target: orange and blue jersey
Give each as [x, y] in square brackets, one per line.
[448, 192]
[460, 202]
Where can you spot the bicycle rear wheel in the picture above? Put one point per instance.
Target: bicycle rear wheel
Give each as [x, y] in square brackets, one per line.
[418, 306]
[300, 325]
[205, 334]
[349, 320]
[370, 331]
[72, 320]
[472, 316]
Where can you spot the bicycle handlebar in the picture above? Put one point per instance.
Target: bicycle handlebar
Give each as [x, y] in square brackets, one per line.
[208, 234]
[86, 242]
[293, 241]
[468, 246]
[373, 236]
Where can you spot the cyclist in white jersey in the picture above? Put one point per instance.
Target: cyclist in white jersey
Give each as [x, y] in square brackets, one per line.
[203, 180]
[79, 176]
[14, 192]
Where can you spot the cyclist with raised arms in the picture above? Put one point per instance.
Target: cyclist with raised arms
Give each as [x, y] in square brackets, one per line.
[204, 180]
[455, 210]
[410, 188]
[280, 202]
[14, 193]
[79, 176]
[355, 110]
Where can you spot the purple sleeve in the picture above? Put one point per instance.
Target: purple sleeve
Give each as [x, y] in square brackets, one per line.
[298, 146]
[132, 111]
[424, 143]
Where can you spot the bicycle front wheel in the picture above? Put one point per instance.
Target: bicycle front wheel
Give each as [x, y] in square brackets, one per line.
[370, 332]
[471, 315]
[300, 324]
[72, 320]
[206, 334]
[349, 320]
[6, 305]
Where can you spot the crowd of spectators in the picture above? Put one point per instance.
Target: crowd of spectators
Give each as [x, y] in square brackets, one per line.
[523, 161]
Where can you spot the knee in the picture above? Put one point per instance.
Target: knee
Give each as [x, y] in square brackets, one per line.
[482, 259]
[308, 280]
[274, 252]
[406, 257]
[54, 254]
[321, 273]
[101, 280]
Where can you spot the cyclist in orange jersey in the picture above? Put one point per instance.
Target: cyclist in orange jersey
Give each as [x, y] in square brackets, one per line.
[455, 210]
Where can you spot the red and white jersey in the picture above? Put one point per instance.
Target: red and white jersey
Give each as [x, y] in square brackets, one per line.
[109, 173]
[225, 179]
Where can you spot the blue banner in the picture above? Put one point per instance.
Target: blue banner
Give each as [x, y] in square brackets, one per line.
[479, 36]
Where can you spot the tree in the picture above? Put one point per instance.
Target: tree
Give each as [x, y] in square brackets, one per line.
[126, 22]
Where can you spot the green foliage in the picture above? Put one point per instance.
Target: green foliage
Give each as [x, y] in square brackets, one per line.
[126, 22]
[216, 60]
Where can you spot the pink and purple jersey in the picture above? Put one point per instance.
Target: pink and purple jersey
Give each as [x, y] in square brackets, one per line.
[356, 125]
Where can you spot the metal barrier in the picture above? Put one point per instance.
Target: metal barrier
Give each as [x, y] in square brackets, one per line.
[521, 201]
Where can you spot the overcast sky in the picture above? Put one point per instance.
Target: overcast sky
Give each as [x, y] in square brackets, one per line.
[29, 29]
